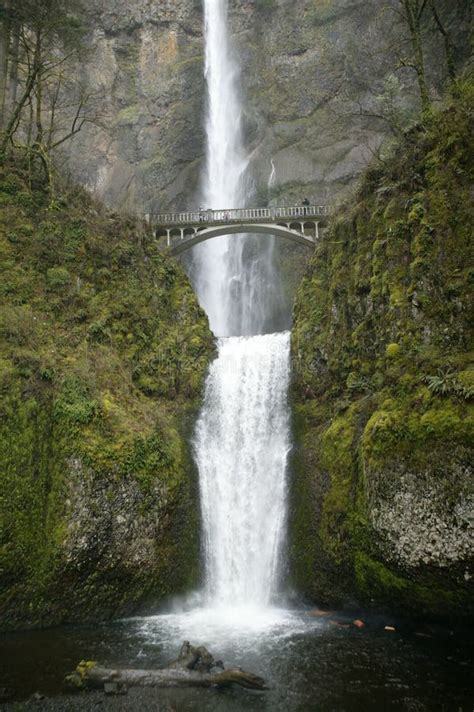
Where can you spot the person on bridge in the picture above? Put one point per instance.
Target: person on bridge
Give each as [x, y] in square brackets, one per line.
[305, 204]
[201, 214]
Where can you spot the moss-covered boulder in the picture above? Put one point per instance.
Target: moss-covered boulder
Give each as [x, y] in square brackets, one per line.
[102, 359]
[383, 494]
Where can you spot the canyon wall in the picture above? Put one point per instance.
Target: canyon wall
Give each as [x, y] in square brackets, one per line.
[316, 76]
[383, 495]
[103, 354]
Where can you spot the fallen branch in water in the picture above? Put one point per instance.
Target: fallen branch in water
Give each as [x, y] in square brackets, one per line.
[194, 667]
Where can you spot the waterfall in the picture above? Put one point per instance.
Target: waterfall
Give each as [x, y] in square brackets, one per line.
[232, 276]
[219, 262]
[242, 441]
[242, 436]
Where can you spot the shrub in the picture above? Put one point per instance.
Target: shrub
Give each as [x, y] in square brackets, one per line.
[58, 277]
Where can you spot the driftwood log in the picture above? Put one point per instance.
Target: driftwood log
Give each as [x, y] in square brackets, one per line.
[194, 667]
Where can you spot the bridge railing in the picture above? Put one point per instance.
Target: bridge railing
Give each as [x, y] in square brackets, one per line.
[240, 215]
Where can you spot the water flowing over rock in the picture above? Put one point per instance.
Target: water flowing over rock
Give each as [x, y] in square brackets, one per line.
[242, 443]
[242, 437]
[234, 277]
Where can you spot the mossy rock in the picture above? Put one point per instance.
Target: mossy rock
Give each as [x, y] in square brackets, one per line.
[98, 512]
[382, 383]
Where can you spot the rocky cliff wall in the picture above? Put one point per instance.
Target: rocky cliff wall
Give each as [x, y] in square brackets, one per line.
[324, 90]
[314, 76]
[382, 503]
[144, 63]
[103, 353]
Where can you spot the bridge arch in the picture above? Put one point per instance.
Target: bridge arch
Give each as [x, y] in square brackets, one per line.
[210, 233]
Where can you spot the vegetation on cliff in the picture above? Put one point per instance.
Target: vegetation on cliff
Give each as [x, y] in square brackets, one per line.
[383, 378]
[103, 353]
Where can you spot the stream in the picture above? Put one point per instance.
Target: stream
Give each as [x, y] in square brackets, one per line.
[309, 662]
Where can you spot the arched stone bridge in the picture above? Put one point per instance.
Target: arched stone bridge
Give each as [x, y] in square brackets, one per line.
[181, 231]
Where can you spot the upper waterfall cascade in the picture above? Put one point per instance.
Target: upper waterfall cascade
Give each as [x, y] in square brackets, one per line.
[233, 279]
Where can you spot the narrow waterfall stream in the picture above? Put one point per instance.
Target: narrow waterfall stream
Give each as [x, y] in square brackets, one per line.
[233, 276]
[242, 438]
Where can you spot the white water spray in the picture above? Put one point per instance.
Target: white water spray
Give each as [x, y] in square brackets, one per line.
[242, 443]
[242, 436]
[272, 177]
[218, 263]
[232, 275]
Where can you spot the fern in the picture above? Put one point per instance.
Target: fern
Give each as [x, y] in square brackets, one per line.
[446, 383]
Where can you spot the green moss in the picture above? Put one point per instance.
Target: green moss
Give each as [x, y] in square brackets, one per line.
[337, 459]
[74, 402]
[58, 277]
[103, 354]
[446, 424]
[381, 585]
[466, 378]
[381, 359]
[392, 350]
[375, 579]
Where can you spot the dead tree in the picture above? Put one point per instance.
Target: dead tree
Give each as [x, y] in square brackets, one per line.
[194, 667]
[447, 40]
[43, 35]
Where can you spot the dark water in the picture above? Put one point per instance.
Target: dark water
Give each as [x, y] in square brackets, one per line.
[310, 663]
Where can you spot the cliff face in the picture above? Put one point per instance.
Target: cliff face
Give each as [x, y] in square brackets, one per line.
[383, 492]
[104, 348]
[103, 354]
[143, 63]
[324, 90]
[315, 77]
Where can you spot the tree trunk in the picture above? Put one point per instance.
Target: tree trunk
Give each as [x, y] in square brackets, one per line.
[13, 65]
[448, 43]
[98, 677]
[420, 72]
[414, 11]
[39, 89]
[30, 83]
[16, 114]
[195, 667]
[5, 29]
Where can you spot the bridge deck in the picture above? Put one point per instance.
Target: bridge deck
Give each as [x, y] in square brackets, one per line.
[240, 216]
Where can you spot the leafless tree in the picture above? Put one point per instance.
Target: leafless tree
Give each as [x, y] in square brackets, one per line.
[46, 104]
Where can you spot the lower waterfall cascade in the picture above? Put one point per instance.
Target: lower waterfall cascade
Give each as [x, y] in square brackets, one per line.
[242, 443]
